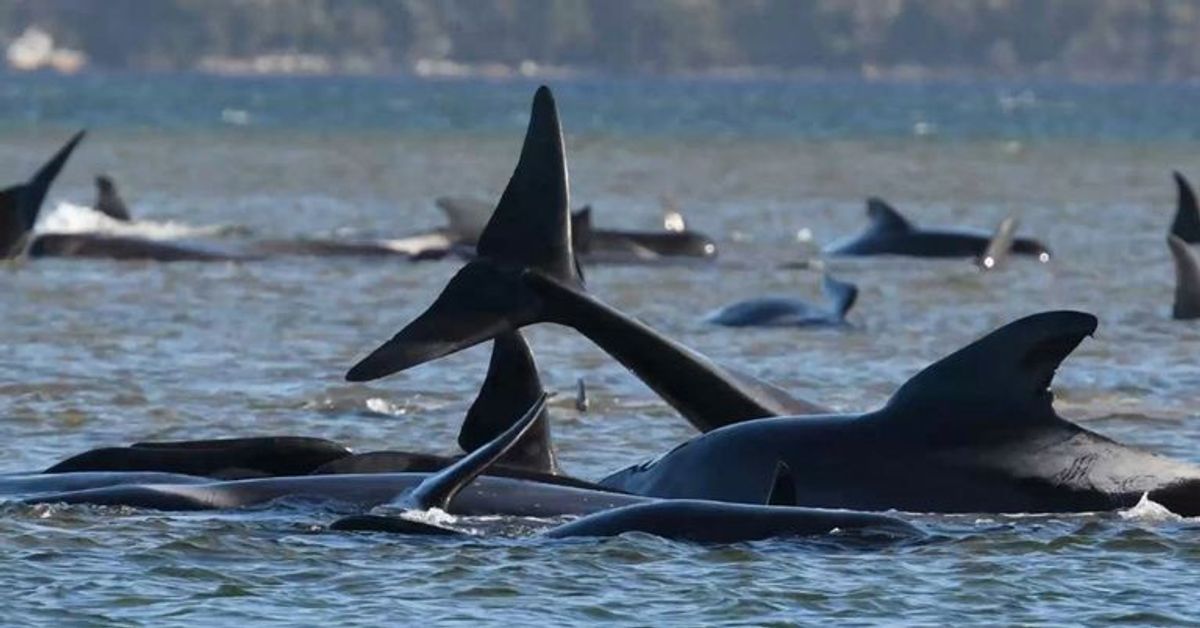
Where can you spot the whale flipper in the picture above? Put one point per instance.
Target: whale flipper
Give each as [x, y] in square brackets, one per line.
[841, 295]
[1000, 246]
[531, 228]
[512, 384]
[109, 201]
[1008, 371]
[885, 218]
[439, 489]
[1187, 280]
[1187, 215]
[20, 204]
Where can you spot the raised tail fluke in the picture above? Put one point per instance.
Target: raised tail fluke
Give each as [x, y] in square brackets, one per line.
[1000, 246]
[530, 229]
[1187, 280]
[1187, 214]
[20, 204]
[439, 489]
[841, 295]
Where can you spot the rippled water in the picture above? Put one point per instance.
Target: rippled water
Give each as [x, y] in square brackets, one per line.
[105, 353]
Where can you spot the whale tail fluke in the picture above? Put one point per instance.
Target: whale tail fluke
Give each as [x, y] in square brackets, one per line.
[20, 204]
[1000, 246]
[1187, 280]
[1186, 225]
[511, 386]
[529, 230]
[841, 295]
[438, 490]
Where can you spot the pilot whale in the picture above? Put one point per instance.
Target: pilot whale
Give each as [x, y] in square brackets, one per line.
[975, 432]
[1186, 225]
[531, 229]
[892, 234]
[785, 312]
[1187, 280]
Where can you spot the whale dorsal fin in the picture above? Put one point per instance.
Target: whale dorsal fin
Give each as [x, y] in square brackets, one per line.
[109, 201]
[531, 226]
[467, 217]
[783, 487]
[841, 295]
[1000, 380]
[20, 204]
[512, 384]
[1187, 214]
[581, 229]
[885, 218]
[438, 490]
[1000, 246]
[1187, 280]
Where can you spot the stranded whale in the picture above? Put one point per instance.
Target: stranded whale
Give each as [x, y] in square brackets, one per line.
[785, 312]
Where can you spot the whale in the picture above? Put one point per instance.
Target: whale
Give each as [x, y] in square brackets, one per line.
[785, 312]
[530, 233]
[1187, 279]
[1186, 224]
[109, 201]
[690, 520]
[20, 204]
[890, 233]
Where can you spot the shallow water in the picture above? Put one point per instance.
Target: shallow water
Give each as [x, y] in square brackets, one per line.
[105, 353]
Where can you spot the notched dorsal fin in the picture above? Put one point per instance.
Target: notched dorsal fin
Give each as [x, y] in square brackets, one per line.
[531, 226]
[841, 295]
[1187, 280]
[783, 487]
[467, 217]
[1006, 370]
[1000, 246]
[511, 386]
[438, 490]
[1187, 215]
[885, 218]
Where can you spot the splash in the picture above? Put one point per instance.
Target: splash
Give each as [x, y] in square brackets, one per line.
[71, 218]
[1149, 511]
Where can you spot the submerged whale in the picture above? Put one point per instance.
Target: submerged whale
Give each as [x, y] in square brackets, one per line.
[785, 312]
[975, 432]
[892, 234]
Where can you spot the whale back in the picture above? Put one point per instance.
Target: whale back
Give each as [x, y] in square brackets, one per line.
[511, 386]
[1187, 279]
[1187, 215]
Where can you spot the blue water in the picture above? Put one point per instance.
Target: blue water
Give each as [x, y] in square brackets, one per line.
[101, 353]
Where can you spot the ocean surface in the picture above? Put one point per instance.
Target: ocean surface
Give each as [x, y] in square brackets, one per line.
[103, 353]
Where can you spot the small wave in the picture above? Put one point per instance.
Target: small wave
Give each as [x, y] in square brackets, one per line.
[71, 218]
[1149, 511]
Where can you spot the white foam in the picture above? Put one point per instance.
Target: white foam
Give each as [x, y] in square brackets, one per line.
[1149, 511]
[71, 218]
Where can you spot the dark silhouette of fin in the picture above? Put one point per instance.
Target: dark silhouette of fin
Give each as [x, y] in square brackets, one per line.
[1187, 280]
[885, 218]
[1187, 215]
[109, 201]
[841, 295]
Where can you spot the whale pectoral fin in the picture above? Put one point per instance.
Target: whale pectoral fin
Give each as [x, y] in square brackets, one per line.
[1000, 246]
[1187, 214]
[1003, 377]
[783, 487]
[841, 295]
[439, 489]
[45, 176]
[885, 218]
[395, 525]
[1187, 280]
[511, 386]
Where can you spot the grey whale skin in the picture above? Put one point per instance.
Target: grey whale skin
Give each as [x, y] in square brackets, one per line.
[975, 432]
[892, 234]
[785, 312]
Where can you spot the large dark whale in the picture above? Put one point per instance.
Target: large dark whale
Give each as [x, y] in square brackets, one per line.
[975, 432]
[693, 520]
[892, 234]
[1186, 225]
[785, 312]
[1187, 279]
[531, 229]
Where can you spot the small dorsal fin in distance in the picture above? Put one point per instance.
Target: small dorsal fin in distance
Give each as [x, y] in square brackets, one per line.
[109, 201]
[783, 487]
[841, 295]
[1187, 213]
[512, 384]
[1187, 280]
[581, 229]
[581, 396]
[885, 218]
[1003, 377]
[467, 216]
[529, 230]
[1000, 246]
[438, 490]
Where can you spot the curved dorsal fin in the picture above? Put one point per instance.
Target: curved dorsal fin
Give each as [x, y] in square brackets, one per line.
[885, 218]
[1000, 246]
[512, 384]
[1187, 214]
[841, 294]
[531, 226]
[1187, 280]
[1003, 377]
[109, 201]
[439, 489]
